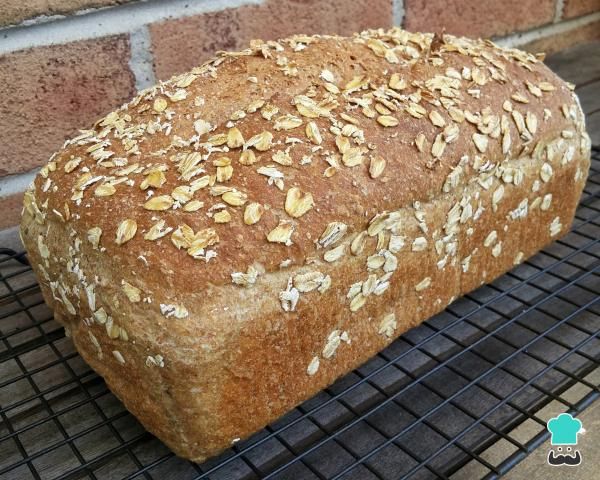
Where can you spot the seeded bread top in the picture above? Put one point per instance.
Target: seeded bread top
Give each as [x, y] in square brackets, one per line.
[266, 158]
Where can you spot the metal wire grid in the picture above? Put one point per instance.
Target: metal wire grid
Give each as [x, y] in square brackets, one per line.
[465, 395]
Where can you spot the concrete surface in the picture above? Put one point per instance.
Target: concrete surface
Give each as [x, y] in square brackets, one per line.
[535, 467]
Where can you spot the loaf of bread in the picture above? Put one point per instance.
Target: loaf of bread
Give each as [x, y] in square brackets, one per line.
[237, 238]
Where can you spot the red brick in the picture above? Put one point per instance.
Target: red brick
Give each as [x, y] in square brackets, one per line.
[576, 8]
[15, 11]
[10, 207]
[562, 41]
[476, 18]
[50, 92]
[179, 45]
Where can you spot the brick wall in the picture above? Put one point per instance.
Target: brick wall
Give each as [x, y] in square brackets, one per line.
[64, 63]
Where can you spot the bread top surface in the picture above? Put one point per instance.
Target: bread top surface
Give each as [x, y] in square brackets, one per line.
[264, 157]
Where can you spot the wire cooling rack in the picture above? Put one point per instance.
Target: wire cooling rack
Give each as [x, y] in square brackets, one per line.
[465, 395]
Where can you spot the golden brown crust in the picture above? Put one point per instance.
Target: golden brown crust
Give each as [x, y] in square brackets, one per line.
[235, 239]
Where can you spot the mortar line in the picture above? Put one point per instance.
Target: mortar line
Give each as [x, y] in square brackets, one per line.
[559, 7]
[44, 18]
[398, 12]
[108, 21]
[17, 183]
[522, 38]
[141, 62]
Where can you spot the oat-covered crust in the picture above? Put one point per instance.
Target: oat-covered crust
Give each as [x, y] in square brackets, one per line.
[234, 239]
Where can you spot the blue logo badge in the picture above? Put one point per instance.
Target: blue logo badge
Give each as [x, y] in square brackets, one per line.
[564, 430]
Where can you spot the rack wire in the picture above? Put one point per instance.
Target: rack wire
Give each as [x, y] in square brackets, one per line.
[465, 395]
